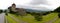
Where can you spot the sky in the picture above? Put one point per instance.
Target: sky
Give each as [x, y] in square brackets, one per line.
[35, 4]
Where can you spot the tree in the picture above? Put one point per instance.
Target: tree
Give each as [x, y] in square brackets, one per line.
[6, 12]
[28, 12]
[10, 10]
[1, 11]
[33, 13]
[38, 16]
[59, 15]
[58, 10]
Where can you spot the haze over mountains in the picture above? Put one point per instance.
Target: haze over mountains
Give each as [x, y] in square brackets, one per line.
[34, 8]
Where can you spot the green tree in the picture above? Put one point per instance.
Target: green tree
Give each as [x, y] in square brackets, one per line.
[38, 16]
[1, 11]
[58, 10]
[6, 12]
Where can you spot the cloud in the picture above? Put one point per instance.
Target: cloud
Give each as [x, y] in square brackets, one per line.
[4, 4]
[37, 2]
[49, 4]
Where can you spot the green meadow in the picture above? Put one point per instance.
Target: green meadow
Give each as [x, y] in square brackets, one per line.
[30, 19]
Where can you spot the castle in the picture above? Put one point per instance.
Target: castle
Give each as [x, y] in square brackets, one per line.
[13, 8]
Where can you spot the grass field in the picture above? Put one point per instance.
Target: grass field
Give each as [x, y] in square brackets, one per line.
[57, 21]
[30, 19]
[10, 20]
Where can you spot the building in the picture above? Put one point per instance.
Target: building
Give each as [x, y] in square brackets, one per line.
[13, 8]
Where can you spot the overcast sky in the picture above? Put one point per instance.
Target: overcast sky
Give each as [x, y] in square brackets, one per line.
[49, 4]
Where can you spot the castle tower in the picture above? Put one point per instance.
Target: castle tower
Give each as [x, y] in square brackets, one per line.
[13, 6]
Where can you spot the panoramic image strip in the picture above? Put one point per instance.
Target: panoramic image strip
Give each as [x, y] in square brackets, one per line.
[29, 11]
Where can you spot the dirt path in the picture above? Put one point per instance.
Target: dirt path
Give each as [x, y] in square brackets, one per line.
[51, 21]
[16, 19]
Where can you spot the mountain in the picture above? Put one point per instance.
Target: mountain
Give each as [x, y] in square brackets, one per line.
[34, 8]
[37, 11]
